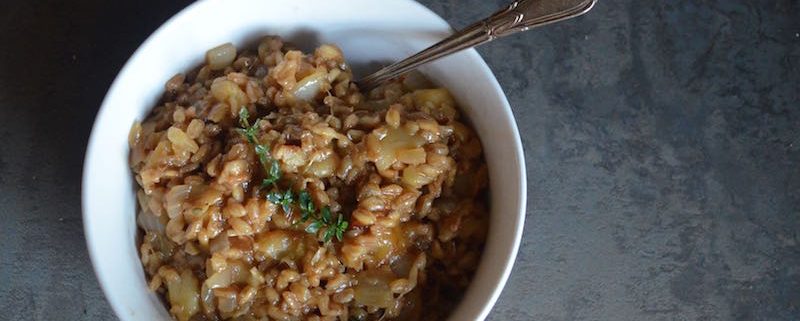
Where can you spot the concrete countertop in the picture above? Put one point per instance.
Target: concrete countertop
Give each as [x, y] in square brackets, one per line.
[661, 141]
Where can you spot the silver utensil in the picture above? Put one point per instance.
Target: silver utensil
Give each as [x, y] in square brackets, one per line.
[520, 16]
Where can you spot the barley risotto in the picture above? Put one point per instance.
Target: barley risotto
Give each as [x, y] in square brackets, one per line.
[271, 188]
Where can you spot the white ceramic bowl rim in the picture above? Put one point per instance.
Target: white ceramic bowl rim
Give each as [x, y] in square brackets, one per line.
[386, 30]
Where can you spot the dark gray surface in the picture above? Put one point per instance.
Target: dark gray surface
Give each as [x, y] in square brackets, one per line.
[661, 143]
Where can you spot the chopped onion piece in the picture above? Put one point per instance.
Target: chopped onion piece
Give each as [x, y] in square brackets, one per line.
[373, 289]
[219, 280]
[226, 299]
[219, 244]
[174, 199]
[207, 298]
[309, 87]
[221, 56]
[150, 223]
[184, 296]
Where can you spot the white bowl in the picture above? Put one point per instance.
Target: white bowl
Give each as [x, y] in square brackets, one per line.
[367, 31]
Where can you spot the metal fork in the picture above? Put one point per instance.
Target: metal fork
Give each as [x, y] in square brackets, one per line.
[520, 16]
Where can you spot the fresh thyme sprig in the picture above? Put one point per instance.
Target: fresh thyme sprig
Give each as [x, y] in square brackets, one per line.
[271, 166]
[285, 199]
[319, 220]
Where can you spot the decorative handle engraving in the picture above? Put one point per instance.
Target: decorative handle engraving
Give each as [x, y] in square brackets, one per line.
[525, 14]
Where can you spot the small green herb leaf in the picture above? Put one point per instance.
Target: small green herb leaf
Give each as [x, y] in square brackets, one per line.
[252, 135]
[288, 196]
[305, 217]
[313, 227]
[275, 170]
[274, 175]
[306, 204]
[287, 207]
[326, 215]
[287, 200]
[263, 153]
[328, 235]
[243, 117]
[341, 226]
[265, 183]
[275, 197]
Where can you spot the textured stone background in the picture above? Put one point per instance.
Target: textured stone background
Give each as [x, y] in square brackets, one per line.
[661, 140]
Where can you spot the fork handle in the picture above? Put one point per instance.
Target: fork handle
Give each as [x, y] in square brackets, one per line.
[519, 16]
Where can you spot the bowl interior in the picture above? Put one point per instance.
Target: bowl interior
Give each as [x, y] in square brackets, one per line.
[369, 33]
